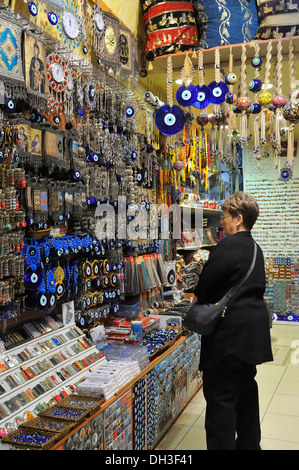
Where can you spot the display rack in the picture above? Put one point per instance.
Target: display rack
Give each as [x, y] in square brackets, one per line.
[183, 345]
[64, 354]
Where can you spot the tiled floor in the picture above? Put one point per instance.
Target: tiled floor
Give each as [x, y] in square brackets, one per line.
[279, 403]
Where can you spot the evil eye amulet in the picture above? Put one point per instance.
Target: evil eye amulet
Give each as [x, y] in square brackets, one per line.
[255, 85]
[243, 103]
[279, 101]
[265, 97]
[218, 92]
[52, 18]
[256, 62]
[230, 78]
[186, 95]
[32, 9]
[10, 105]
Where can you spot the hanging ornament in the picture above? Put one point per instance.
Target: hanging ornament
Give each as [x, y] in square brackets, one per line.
[169, 118]
[256, 62]
[243, 102]
[278, 98]
[203, 92]
[99, 28]
[186, 94]
[52, 18]
[230, 78]
[218, 87]
[60, 83]
[265, 97]
[291, 110]
[33, 10]
[255, 85]
[286, 174]
[90, 93]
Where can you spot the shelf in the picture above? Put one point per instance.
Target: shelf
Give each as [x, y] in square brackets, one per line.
[205, 210]
[196, 247]
[159, 64]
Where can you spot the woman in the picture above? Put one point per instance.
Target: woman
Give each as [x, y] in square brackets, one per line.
[241, 339]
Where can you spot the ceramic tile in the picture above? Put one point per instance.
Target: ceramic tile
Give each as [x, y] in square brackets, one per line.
[284, 404]
[194, 439]
[280, 427]
[173, 437]
[288, 387]
[274, 444]
[190, 414]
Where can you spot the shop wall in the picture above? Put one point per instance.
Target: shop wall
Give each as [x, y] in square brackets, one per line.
[276, 229]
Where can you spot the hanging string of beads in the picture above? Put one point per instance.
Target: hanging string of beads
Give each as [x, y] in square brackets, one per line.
[278, 100]
[265, 97]
[290, 111]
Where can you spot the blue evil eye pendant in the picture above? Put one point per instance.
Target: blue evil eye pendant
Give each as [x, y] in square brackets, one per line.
[33, 10]
[186, 96]
[169, 120]
[52, 18]
[230, 78]
[255, 85]
[129, 112]
[56, 119]
[10, 105]
[218, 92]
[33, 277]
[203, 97]
[33, 254]
[256, 62]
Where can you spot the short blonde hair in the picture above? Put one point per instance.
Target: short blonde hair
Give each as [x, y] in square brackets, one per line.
[244, 204]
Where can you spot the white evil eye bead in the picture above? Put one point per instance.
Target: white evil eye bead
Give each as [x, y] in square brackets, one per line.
[201, 96]
[169, 119]
[217, 92]
[43, 301]
[56, 119]
[52, 18]
[34, 278]
[32, 9]
[60, 290]
[129, 112]
[52, 300]
[186, 95]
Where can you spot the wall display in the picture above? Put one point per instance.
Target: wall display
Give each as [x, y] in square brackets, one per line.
[111, 41]
[11, 65]
[226, 22]
[169, 26]
[125, 49]
[35, 65]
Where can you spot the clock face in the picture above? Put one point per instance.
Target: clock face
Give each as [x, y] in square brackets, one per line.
[110, 40]
[99, 21]
[57, 72]
[70, 24]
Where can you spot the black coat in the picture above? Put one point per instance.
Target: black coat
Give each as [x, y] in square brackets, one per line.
[245, 329]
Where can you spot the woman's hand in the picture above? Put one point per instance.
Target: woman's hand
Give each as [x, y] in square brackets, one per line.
[194, 300]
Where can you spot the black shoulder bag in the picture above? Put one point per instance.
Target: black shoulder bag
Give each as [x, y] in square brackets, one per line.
[202, 319]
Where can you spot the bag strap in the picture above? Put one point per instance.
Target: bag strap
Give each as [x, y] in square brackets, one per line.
[234, 289]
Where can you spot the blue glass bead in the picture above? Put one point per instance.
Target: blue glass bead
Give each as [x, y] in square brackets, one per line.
[32, 9]
[52, 18]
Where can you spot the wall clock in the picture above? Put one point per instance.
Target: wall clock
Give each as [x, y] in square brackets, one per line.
[59, 75]
[99, 27]
[70, 25]
[111, 41]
